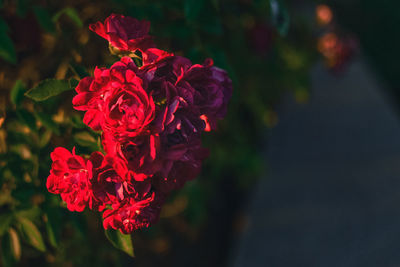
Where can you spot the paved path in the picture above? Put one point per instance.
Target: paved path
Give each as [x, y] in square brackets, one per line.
[332, 196]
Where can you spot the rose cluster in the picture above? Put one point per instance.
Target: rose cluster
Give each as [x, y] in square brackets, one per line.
[151, 111]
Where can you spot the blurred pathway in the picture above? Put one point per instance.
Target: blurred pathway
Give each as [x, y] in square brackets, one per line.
[332, 196]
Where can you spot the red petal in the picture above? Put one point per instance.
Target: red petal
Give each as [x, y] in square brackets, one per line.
[93, 119]
[81, 100]
[60, 153]
[98, 28]
[84, 85]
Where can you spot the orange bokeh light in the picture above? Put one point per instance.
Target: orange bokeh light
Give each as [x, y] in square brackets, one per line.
[324, 14]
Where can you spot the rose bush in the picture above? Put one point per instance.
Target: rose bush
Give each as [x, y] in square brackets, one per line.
[151, 114]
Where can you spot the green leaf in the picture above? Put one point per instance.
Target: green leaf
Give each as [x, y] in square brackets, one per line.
[120, 241]
[50, 231]
[5, 221]
[15, 245]
[48, 88]
[17, 93]
[10, 248]
[73, 83]
[44, 19]
[31, 213]
[7, 50]
[48, 122]
[31, 234]
[44, 138]
[85, 139]
[72, 14]
[77, 122]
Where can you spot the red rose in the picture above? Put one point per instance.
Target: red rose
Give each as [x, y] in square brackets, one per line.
[123, 32]
[131, 214]
[139, 153]
[110, 183]
[128, 108]
[116, 100]
[90, 97]
[71, 176]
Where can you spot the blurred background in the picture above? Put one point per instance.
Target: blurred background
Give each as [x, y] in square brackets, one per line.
[303, 171]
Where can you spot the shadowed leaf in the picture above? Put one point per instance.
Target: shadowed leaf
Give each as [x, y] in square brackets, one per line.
[120, 241]
[79, 70]
[7, 50]
[44, 19]
[17, 93]
[51, 231]
[72, 14]
[10, 248]
[5, 221]
[73, 83]
[27, 118]
[31, 234]
[85, 139]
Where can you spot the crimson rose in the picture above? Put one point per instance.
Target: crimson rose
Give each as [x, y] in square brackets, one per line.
[116, 100]
[131, 214]
[124, 33]
[72, 176]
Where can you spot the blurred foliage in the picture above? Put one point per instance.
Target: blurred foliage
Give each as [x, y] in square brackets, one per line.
[267, 46]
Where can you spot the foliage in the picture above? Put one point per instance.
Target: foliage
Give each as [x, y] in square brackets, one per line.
[45, 49]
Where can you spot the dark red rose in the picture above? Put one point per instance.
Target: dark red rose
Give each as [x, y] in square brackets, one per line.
[112, 181]
[71, 176]
[213, 89]
[181, 163]
[125, 33]
[190, 98]
[174, 109]
[116, 100]
[132, 214]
